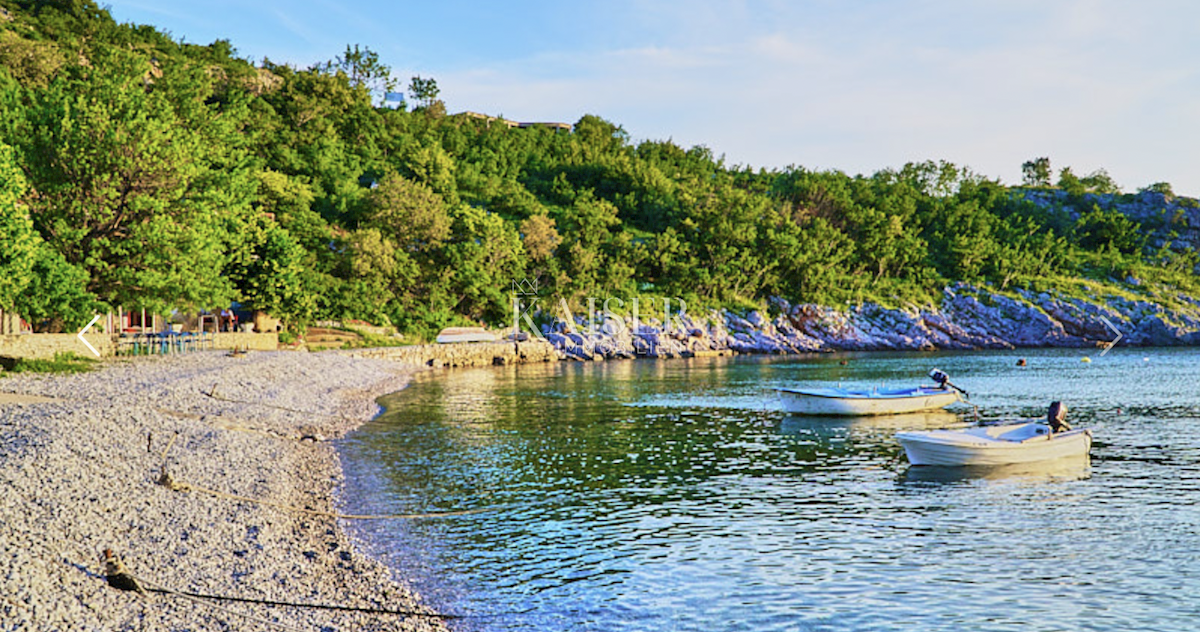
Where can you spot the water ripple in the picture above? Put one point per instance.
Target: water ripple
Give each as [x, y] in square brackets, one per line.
[660, 496]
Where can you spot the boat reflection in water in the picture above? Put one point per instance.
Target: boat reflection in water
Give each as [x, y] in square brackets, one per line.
[844, 442]
[796, 424]
[1072, 468]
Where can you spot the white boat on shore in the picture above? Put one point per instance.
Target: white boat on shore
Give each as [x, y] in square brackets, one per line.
[451, 335]
[1001, 444]
[876, 401]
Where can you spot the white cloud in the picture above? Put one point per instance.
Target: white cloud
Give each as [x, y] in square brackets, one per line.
[1088, 83]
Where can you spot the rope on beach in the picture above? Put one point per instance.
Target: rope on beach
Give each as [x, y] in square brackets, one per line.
[213, 394]
[310, 606]
[236, 427]
[244, 615]
[118, 576]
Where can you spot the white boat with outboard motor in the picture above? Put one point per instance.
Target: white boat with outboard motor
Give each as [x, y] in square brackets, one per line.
[999, 444]
[844, 401]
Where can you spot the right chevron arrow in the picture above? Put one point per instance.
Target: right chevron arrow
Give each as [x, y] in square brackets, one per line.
[1115, 340]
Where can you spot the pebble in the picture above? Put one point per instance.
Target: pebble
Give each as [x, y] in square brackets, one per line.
[79, 479]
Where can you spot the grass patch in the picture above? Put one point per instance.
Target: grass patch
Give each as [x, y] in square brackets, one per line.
[1170, 293]
[62, 363]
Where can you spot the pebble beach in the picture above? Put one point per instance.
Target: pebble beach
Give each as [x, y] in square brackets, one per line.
[246, 442]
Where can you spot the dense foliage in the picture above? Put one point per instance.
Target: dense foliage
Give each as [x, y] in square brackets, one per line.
[144, 172]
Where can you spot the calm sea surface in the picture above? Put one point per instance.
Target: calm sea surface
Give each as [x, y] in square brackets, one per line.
[674, 495]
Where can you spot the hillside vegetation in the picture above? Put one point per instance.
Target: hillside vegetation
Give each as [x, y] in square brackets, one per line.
[140, 171]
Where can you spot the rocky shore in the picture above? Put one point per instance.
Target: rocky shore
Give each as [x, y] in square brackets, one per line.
[969, 317]
[82, 457]
[80, 463]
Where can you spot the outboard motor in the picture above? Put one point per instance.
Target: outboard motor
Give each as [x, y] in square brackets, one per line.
[1056, 416]
[943, 381]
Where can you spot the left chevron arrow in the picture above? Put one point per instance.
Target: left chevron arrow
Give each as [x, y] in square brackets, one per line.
[84, 340]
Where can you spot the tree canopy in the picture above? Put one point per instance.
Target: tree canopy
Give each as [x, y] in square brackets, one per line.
[140, 171]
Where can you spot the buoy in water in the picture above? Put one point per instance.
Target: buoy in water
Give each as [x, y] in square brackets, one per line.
[1021, 362]
[1086, 359]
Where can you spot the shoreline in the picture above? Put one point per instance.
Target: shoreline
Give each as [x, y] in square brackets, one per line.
[82, 472]
[81, 455]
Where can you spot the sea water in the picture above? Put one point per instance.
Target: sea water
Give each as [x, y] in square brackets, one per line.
[675, 495]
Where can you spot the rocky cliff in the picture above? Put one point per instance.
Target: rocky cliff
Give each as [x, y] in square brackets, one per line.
[969, 317]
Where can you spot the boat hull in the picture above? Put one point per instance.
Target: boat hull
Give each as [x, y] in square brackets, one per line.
[1072, 468]
[842, 403]
[953, 448]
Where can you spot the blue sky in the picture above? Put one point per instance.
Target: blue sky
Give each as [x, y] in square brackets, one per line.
[855, 85]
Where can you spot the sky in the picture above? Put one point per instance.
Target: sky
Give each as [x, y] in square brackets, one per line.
[852, 85]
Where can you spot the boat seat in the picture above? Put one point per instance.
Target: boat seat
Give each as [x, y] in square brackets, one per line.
[1024, 432]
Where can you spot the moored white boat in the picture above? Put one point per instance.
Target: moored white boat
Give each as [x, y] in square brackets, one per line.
[1023, 442]
[863, 402]
[843, 401]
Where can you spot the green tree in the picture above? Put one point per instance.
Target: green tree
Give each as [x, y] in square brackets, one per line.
[323, 132]
[1161, 187]
[132, 183]
[1036, 172]
[482, 261]
[1069, 182]
[55, 300]
[1099, 228]
[363, 68]
[433, 166]
[378, 274]
[411, 214]
[21, 243]
[272, 276]
[290, 199]
[424, 90]
[1024, 251]
[812, 260]
[1099, 181]
[595, 255]
[963, 240]
[887, 242]
[540, 237]
[725, 229]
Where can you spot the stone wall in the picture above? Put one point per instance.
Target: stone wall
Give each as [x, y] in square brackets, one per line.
[253, 342]
[46, 346]
[467, 354]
